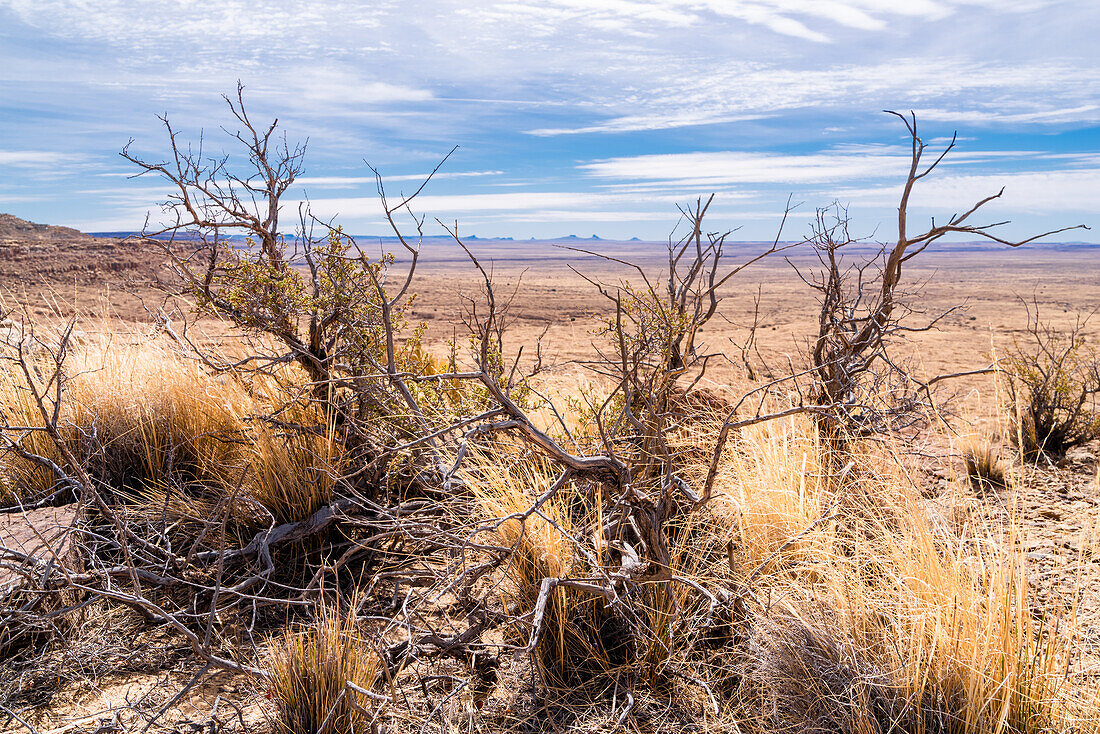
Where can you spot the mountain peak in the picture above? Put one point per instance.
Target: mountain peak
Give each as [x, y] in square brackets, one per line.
[12, 228]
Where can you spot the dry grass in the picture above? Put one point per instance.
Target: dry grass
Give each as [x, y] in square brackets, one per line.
[504, 487]
[843, 608]
[879, 621]
[162, 430]
[311, 669]
[863, 616]
[985, 467]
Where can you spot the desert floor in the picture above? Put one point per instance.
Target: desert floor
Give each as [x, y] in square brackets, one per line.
[976, 293]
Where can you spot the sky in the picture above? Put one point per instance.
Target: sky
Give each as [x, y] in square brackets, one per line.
[571, 116]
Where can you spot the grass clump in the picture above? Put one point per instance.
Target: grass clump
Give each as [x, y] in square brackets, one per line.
[836, 603]
[875, 620]
[985, 467]
[574, 642]
[315, 673]
[163, 431]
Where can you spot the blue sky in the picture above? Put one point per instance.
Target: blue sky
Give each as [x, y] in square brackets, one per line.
[572, 116]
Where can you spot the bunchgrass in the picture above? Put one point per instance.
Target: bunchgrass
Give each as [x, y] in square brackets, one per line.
[318, 674]
[149, 424]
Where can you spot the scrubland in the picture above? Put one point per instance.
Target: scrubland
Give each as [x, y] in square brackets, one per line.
[318, 508]
[802, 596]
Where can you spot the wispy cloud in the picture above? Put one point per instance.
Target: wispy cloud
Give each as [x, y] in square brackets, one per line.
[611, 110]
[717, 168]
[355, 181]
[519, 201]
[41, 160]
[1026, 193]
[945, 88]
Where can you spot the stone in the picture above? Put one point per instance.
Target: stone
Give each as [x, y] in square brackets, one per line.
[43, 534]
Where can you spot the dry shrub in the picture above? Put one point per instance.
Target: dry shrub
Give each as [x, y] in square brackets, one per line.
[585, 641]
[1052, 381]
[840, 607]
[311, 669]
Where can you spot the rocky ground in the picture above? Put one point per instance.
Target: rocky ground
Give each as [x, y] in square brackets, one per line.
[58, 270]
[1059, 506]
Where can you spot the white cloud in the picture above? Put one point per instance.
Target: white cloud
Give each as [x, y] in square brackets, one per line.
[44, 160]
[1067, 191]
[146, 23]
[329, 88]
[945, 88]
[351, 181]
[708, 169]
[433, 204]
[1004, 114]
[624, 65]
[635, 123]
[799, 19]
[651, 76]
[841, 163]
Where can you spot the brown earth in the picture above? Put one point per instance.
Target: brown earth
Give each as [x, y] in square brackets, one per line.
[37, 535]
[554, 308]
[58, 270]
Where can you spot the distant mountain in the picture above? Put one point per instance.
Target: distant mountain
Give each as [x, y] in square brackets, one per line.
[46, 260]
[13, 229]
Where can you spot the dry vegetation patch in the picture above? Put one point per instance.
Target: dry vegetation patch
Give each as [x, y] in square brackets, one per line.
[383, 533]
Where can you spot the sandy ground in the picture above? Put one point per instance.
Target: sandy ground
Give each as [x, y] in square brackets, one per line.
[555, 309]
[987, 288]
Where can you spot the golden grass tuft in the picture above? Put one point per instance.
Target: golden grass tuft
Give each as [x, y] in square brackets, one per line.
[857, 612]
[156, 426]
[311, 669]
[875, 619]
[506, 484]
[985, 467]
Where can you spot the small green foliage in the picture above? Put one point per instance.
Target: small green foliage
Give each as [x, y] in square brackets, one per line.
[261, 293]
[1053, 385]
[647, 326]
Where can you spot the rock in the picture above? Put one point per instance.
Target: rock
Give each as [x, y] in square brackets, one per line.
[43, 534]
[1079, 455]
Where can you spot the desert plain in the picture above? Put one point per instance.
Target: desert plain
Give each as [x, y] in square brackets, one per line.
[978, 295]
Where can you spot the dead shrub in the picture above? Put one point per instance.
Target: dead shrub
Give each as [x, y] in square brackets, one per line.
[1052, 381]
